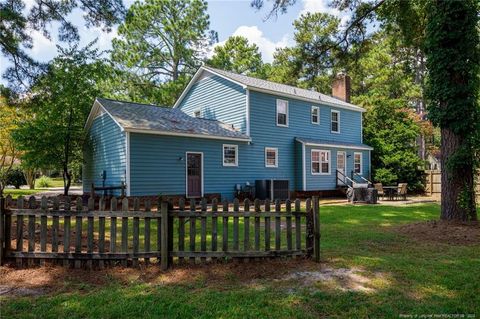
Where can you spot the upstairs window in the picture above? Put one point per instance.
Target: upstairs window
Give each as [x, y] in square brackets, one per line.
[315, 115]
[282, 113]
[197, 113]
[320, 162]
[230, 155]
[357, 163]
[335, 121]
[271, 157]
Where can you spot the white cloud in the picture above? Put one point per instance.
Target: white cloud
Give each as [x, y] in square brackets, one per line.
[314, 6]
[43, 48]
[266, 46]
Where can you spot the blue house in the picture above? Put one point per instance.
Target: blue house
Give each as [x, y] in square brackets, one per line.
[224, 132]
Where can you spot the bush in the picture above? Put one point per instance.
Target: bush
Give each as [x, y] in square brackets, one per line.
[44, 182]
[16, 178]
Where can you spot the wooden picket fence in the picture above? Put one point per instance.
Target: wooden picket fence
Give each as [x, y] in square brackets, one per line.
[131, 231]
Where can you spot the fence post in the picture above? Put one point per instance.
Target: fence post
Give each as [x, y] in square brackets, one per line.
[309, 227]
[316, 229]
[164, 251]
[2, 229]
[431, 182]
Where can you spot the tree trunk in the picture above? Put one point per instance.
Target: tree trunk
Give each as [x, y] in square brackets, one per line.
[67, 181]
[457, 183]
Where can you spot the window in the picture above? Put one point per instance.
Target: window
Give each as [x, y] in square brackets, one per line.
[230, 155]
[315, 115]
[197, 113]
[320, 162]
[357, 163]
[282, 113]
[335, 121]
[271, 157]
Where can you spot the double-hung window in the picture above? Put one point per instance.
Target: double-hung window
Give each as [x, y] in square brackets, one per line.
[335, 121]
[282, 113]
[315, 115]
[357, 163]
[320, 162]
[230, 155]
[271, 157]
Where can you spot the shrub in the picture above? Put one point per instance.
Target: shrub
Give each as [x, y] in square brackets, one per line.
[16, 178]
[44, 182]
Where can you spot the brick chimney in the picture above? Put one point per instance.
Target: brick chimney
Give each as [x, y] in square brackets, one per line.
[341, 87]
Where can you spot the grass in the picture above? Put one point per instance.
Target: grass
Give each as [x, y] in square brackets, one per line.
[20, 192]
[56, 182]
[408, 278]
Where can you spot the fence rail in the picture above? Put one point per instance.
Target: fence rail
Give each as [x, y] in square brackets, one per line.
[93, 236]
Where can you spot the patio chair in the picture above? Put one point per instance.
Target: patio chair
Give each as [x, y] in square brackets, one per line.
[402, 191]
[379, 188]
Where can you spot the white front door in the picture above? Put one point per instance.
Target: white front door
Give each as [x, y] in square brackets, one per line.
[341, 166]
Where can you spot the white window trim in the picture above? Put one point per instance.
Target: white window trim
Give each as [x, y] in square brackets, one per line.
[276, 113]
[276, 157]
[329, 162]
[236, 155]
[318, 114]
[338, 121]
[361, 162]
[197, 110]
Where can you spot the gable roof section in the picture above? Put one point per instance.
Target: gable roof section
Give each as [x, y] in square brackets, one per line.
[270, 87]
[151, 119]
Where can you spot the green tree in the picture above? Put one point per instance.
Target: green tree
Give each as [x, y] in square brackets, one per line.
[237, 55]
[160, 45]
[453, 60]
[17, 22]
[61, 101]
[9, 152]
[386, 89]
[315, 56]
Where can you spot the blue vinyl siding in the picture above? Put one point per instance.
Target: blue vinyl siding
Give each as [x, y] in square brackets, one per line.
[328, 182]
[157, 165]
[218, 99]
[265, 133]
[263, 113]
[104, 150]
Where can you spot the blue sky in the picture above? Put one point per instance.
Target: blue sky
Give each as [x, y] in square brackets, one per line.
[227, 17]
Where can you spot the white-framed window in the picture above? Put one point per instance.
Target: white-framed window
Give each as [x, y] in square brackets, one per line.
[282, 113]
[357, 163]
[320, 162]
[230, 155]
[335, 121]
[315, 115]
[271, 157]
[197, 113]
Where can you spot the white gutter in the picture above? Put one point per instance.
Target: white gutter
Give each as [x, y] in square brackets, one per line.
[366, 148]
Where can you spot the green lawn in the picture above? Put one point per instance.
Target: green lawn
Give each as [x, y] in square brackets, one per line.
[20, 192]
[408, 277]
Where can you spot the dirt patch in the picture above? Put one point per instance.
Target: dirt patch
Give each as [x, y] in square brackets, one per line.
[442, 232]
[344, 279]
[214, 274]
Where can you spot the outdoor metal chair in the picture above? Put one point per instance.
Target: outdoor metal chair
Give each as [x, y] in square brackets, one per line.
[402, 191]
[379, 188]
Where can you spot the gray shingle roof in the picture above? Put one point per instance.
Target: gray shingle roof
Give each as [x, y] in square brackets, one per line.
[282, 88]
[135, 116]
[333, 143]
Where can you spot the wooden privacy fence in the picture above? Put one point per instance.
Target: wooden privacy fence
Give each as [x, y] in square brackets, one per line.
[433, 183]
[129, 231]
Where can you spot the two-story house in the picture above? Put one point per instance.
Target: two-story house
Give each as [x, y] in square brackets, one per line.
[224, 132]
